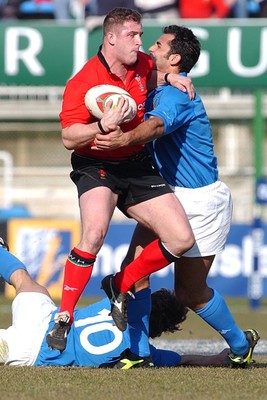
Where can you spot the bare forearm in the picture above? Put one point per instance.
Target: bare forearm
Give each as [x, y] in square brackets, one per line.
[79, 135]
[145, 132]
[201, 360]
[183, 83]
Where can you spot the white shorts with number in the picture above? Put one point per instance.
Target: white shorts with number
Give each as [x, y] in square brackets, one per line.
[31, 314]
[209, 210]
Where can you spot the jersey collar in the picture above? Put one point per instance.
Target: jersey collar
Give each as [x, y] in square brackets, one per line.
[102, 59]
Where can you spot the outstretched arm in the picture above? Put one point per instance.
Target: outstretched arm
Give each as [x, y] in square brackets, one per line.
[219, 360]
[143, 133]
[183, 83]
[167, 358]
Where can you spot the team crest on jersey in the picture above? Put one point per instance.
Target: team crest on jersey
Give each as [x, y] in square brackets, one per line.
[138, 79]
[102, 173]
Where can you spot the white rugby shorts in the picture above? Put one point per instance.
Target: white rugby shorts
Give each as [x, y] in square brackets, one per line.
[31, 314]
[209, 210]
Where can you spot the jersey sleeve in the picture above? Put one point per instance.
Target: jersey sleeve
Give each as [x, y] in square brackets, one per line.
[73, 105]
[172, 106]
[165, 358]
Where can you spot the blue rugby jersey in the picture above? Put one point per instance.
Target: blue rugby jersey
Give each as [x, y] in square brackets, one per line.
[93, 340]
[184, 155]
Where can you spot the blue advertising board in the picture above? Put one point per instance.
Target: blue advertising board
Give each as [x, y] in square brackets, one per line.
[229, 275]
[261, 191]
[43, 247]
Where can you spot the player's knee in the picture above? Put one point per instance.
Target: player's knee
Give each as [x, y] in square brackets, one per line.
[182, 243]
[193, 298]
[92, 240]
[186, 242]
[190, 240]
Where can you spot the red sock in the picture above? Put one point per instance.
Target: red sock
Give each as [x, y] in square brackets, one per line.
[153, 258]
[77, 273]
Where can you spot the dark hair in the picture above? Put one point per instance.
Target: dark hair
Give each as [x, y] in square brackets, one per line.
[118, 16]
[184, 43]
[167, 313]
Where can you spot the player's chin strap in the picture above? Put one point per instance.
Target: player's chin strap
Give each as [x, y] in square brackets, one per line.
[4, 244]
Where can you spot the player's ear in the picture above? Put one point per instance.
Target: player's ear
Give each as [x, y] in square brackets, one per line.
[175, 59]
[111, 38]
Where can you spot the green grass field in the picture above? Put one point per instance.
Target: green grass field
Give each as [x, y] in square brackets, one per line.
[21, 383]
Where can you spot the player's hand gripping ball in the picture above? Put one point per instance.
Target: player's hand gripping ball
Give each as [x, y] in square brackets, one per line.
[98, 96]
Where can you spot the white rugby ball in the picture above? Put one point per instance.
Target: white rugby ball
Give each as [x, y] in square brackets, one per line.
[98, 96]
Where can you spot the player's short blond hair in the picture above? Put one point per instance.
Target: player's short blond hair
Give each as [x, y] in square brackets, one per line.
[118, 16]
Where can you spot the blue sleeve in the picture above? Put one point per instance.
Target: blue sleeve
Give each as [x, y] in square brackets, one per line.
[172, 106]
[9, 264]
[165, 358]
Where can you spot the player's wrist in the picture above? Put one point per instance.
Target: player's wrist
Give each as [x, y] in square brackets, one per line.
[166, 78]
[101, 127]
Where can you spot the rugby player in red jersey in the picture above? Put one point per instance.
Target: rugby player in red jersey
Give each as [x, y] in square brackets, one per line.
[124, 178]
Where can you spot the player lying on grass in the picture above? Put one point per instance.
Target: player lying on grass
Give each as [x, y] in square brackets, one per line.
[93, 339]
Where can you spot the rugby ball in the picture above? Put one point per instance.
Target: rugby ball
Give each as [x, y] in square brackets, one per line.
[98, 96]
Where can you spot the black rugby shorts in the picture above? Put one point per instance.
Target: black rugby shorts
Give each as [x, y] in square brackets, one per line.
[135, 180]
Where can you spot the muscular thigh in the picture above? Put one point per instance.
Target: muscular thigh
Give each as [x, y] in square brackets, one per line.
[164, 215]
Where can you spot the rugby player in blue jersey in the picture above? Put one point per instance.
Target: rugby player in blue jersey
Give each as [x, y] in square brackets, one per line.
[178, 135]
[93, 339]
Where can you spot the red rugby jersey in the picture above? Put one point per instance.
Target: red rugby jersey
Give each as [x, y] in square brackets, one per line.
[97, 72]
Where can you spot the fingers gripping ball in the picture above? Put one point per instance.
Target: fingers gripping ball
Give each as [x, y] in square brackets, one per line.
[98, 96]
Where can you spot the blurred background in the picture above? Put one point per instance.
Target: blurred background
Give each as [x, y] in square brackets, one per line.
[42, 44]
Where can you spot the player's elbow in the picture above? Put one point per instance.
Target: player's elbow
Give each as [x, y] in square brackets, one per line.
[68, 144]
[67, 140]
[156, 126]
